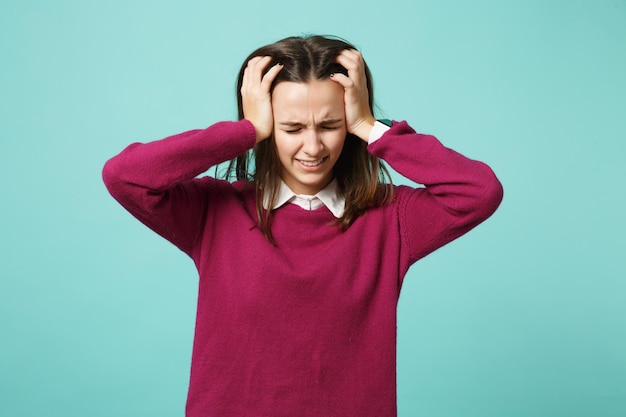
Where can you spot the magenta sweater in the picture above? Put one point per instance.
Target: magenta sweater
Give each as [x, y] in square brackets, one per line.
[306, 327]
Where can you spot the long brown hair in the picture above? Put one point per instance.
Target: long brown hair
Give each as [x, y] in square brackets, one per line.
[361, 177]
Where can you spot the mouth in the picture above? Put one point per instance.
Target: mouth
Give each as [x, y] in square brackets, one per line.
[312, 164]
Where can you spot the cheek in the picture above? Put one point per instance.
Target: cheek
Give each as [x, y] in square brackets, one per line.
[284, 147]
[337, 141]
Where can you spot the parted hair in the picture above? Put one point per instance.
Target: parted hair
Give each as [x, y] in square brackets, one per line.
[361, 177]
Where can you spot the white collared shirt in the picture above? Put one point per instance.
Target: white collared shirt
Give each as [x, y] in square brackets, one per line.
[329, 196]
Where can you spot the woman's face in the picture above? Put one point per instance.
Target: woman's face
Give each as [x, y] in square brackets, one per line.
[309, 132]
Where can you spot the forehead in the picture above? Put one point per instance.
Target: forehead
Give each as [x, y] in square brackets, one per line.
[318, 98]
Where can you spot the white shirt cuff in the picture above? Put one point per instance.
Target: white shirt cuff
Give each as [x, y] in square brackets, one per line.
[377, 131]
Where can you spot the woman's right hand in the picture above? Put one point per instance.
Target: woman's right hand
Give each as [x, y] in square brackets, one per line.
[255, 95]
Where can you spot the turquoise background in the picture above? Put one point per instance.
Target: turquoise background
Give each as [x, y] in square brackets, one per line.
[525, 316]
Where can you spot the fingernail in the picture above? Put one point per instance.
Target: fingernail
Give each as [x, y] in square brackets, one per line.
[332, 74]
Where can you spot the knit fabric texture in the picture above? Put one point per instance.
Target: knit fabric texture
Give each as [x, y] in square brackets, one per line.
[306, 327]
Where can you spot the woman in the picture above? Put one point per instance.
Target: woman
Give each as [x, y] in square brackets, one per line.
[301, 259]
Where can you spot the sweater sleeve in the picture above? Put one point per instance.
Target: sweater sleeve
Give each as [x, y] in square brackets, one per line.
[156, 181]
[459, 192]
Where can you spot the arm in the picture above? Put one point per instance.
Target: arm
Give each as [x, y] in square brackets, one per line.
[155, 181]
[460, 193]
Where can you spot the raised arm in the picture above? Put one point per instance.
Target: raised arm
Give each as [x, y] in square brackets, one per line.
[459, 192]
[156, 183]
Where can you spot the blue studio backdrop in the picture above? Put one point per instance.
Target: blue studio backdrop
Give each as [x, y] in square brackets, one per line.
[525, 316]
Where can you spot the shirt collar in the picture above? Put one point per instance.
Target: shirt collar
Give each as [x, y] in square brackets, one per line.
[329, 196]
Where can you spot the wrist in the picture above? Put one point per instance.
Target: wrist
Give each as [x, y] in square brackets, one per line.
[261, 131]
[364, 128]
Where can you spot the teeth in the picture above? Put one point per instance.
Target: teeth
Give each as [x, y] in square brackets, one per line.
[311, 163]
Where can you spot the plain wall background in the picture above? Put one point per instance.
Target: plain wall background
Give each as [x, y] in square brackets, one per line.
[525, 316]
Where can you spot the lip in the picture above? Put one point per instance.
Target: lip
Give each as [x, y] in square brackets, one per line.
[304, 164]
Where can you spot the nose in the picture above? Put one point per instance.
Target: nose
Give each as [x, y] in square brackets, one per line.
[312, 143]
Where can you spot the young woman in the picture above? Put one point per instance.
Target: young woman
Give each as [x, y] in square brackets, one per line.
[301, 258]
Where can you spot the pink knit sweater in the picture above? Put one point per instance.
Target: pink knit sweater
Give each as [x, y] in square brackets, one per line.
[306, 327]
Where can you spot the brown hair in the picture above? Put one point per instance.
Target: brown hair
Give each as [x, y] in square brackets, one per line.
[359, 174]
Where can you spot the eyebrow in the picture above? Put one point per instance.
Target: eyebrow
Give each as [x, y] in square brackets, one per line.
[323, 122]
[331, 121]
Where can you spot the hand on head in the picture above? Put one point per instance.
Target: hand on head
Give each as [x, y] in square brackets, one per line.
[255, 95]
[256, 98]
[359, 117]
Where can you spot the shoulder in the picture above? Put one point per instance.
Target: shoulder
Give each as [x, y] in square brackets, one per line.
[392, 195]
[219, 191]
[224, 186]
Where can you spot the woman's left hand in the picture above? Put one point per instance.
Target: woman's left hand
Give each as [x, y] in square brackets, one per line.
[359, 117]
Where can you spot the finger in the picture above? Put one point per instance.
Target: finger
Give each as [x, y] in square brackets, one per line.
[252, 62]
[245, 82]
[341, 79]
[270, 76]
[253, 71]
[258, 66]
[352, 60]
[351, 57]
[255, 61]
[353, 54]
